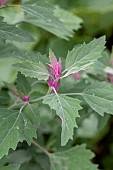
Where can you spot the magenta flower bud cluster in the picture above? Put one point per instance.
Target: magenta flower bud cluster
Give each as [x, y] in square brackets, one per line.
[55, 68]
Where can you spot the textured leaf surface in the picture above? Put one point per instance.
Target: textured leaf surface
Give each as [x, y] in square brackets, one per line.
[67, 109]
[17, 128]
[44, 12]
[23, 85]
[70, 21]
[10, 32]
[32, 112]
[24, 55]
[36, 70]
[83, 56]
[4, 97]
[77, 158]
[10, 167]
[99, 96]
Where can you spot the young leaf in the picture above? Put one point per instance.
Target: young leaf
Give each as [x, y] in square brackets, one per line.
[36, 70]
[17, 126]
[83, 56]
[67, 109]
[78, 158]
[99, 96]
[12, 33]
[23, 85]
[10, 167]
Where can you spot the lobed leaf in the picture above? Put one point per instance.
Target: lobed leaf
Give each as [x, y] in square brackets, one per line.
[100, 98]
[13, 33]
[67, 109]
[78, 158]
[80, 58]
[18, 128]
[35, 70]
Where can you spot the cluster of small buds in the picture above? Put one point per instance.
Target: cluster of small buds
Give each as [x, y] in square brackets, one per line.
[3, 3]
[26, 99]
[55, 68]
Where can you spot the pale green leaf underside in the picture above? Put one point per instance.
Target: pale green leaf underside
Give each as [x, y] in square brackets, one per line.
[100, 98]
[35, 70]
[67, 109]
[80, 58]
[14, 127]
[10, 167]
[12, 33]
[77, 158]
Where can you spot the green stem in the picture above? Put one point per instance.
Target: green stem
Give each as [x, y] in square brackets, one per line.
[40, 147]
[72, 94]
[36, 100]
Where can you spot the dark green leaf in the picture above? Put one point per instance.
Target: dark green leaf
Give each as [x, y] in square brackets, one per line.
[18, 128]
[4, 97]
[23, 85]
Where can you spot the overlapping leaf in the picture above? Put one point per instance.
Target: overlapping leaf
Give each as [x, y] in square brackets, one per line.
[99, 96]
[23, 85]
[67, 109]
[83, 56]
[10, 167]
[70, 21]
[9, 50]
[77, 158]
[17, 128]
[44, 12]
[12, 33]
[35, 70]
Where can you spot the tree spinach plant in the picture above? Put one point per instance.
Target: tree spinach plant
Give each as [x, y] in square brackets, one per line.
[42, 103]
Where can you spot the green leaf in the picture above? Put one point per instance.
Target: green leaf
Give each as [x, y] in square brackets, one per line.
[18, 128]
[4, 97]
[70, 21]
[24, 55]
[67, 109]
[13, 33]
[33, 70]
[10, 167]
[80, 58]
[32, 112]
[77, 158]
[42, 12]
[23, 85]
[100, 98]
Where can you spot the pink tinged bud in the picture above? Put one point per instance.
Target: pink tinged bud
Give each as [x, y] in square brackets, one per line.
[26, 99]
[112, 62]
[3, 3]
[109, 76]
[55, 68]
[76, 76]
